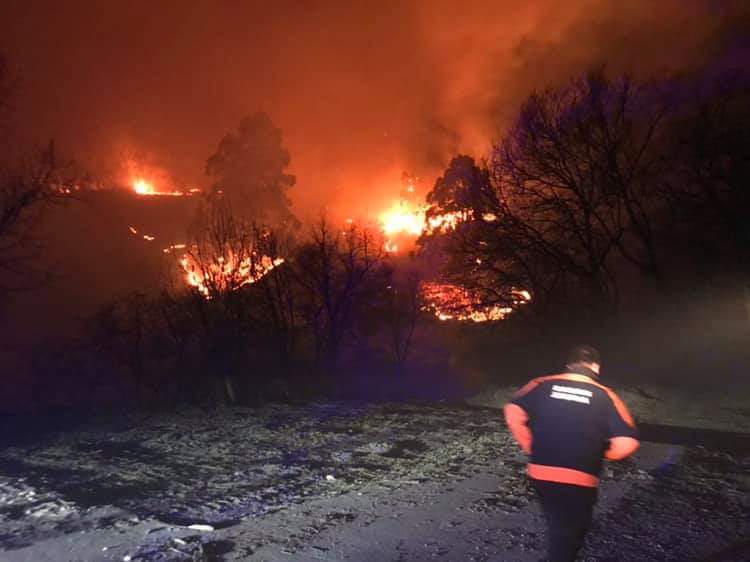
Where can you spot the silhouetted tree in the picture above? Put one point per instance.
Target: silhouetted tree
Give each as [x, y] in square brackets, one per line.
[249, 168]
[123, 333]
[334, 270]
[25, 193]
[570, 198]
[177, 312]
[402, 303]
[709, 183]
[277, 291]
[484, 247]
[580, 169]
[223, 260]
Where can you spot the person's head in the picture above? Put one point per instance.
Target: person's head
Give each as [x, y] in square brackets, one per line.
[586, 356]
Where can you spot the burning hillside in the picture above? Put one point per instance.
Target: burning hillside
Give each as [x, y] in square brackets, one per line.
[225, 273]
[144, 187]
[401, 223]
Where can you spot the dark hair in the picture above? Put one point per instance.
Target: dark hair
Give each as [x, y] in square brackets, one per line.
[584, 354]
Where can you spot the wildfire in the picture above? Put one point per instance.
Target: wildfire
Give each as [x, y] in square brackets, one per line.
[403, 218]
[227, 273]
[146, 237]
[169, 249]
[405, 221]
[144, 187]
[408, 218]
[452, 302]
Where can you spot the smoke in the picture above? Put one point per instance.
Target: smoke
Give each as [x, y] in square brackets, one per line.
[362, 91]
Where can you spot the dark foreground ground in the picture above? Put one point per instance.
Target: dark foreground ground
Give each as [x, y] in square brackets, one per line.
[346, 481]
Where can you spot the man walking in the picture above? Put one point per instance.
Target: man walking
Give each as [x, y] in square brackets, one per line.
[567, 423]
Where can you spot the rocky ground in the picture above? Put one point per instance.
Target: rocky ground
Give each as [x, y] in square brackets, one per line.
[345, 481]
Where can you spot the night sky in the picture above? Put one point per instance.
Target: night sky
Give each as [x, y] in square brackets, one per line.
[362, 91]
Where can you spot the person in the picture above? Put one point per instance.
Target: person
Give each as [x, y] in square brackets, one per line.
[567, 423]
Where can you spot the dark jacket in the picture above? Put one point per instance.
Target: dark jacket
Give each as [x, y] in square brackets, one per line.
[567, 423]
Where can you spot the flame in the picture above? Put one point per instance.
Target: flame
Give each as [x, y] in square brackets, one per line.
[144, 187]
[403, 218]
[403, 222]
[447, 301]
[227, 273]
[446, 221]
[174, 247]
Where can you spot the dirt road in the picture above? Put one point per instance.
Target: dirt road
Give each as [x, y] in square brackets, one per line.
[343, 481]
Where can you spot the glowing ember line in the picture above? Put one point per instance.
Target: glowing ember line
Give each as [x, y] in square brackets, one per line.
[453, 302]
[144, 187]
[174, 247]
[227, 273]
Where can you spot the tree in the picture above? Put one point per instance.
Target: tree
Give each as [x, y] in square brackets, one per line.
[222, 262]
[708, 185]
[25, 193]
[249, 169]
[402, 303]
[568, 201]
[123, 333]
[334, 271]
[485, 250]
[26, 190]
[581, 165]
[278, 295]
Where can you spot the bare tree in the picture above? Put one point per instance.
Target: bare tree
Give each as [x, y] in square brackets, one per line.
[25, 194]
[708, 186]
[568, 200]
[333, 271]
[580, 170]
[222, 261]
[176, 312]
[278, 293]
[403, 304]
[122, 332]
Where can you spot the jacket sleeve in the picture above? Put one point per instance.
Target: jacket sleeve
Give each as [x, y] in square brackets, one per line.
[623, 435]
[517, 413]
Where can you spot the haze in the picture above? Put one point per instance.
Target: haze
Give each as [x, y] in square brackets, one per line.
[362, 91]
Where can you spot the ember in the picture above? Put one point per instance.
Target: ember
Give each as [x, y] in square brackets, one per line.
[226, 273]
[223, 274]
[453, 302]
[144, 187]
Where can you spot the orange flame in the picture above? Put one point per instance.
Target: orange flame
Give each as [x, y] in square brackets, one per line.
[403, 218]
[405, 222]
[227, 273]
[453, 302]
[144, 187]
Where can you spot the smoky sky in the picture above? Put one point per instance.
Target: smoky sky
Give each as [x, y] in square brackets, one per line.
[362, 90]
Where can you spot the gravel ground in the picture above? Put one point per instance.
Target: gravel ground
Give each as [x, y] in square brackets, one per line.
[343, 481]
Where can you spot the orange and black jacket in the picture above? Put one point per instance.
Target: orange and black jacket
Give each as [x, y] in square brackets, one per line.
[567, 423]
